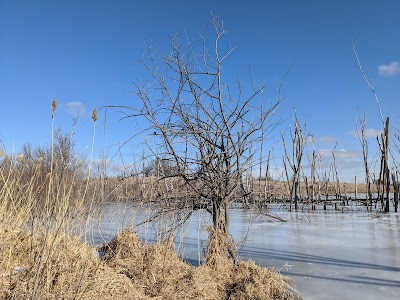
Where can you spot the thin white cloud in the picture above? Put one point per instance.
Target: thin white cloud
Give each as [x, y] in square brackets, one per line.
[327, 140]
[370, 133]
[75, 108]
[343, 153]
[390, 69]
[340, 154]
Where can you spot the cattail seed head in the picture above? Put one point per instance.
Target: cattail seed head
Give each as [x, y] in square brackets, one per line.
[39, 162]
[94, 115]
[54, 105]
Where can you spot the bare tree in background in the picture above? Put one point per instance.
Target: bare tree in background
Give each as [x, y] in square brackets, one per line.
[364, 145]
[336, 175]
[209, 128]
[384, 173]
[313, 175]
[294, 159]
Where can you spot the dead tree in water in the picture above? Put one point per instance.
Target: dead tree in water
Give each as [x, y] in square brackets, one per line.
[384, 174]
[364, 145]
[326, 179]
[313, 173]
[395, 172]
[206, 126]
[299, 140]
[267, 178]
[396, 187]
[336, 176]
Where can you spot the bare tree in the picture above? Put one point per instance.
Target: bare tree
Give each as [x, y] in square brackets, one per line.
[335, 174]
[294, 159]
[207, 127]
[311, 189]
[396, 188]
[384, 173]
[364, 145]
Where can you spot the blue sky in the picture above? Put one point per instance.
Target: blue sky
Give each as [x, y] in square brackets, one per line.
[86, 54]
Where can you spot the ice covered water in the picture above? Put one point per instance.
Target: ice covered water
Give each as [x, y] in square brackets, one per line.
[330, 255]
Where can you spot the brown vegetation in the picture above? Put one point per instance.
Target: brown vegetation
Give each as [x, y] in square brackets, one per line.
[44, 215]
[73, 270]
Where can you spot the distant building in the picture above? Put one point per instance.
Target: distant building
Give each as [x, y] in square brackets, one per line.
[161, 167]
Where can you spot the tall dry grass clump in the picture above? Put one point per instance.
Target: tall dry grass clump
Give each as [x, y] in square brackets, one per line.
[157, 272]
[243, 280]
[154, 269]
[41, 203]
[71, 270]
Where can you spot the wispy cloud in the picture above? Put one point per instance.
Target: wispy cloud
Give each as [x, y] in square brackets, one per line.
[390, 69]
[324, 140]
[370, 133]
[327, 140]
[340, 154]
[75, 108]
[349, 164]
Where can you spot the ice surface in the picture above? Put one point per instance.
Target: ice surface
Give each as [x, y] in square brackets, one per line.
[330, 255]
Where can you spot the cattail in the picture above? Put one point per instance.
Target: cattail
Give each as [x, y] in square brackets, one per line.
[94, 115]
[20, 157]
[39, 163]
[54, 105]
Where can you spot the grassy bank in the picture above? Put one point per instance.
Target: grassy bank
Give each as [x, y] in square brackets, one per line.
[56, 265]
[46, 204]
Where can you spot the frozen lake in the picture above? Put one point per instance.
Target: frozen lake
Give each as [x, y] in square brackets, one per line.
[330, 255]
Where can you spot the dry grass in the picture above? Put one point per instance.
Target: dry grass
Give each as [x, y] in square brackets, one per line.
[71, 270]
[128, 270]
[279, 189]
[40, 258]
[158, 272]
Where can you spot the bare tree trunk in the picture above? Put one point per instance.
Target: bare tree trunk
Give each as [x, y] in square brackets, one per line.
[395, 181]
[226, 215]
[335, 174]
[313, 171]
[386, 170]
[295, 161]
[288, 181]
[384, 173]
[387, 205]
[355, 188]
[266, 184]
